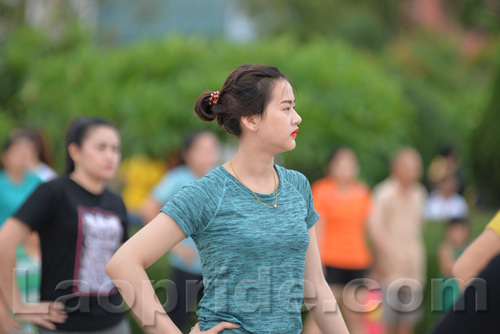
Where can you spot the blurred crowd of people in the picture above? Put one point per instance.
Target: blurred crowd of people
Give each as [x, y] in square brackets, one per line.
[364, 235]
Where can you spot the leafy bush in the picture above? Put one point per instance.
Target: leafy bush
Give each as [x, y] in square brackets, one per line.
[149, 90]
[485, 144]
[447, 91]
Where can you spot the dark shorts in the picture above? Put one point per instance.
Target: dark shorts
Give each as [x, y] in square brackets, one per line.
[343, 276]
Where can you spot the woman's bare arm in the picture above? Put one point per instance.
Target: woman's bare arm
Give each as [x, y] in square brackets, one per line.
[446, 260]
[149, 209]
[323, 306]
[127, 270]
[476, 256]
[13, 233]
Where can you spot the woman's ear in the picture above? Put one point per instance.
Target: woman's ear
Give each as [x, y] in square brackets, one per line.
[251, 123]
[74, 152]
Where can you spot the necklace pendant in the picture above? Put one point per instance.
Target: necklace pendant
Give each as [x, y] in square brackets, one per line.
[274, 206]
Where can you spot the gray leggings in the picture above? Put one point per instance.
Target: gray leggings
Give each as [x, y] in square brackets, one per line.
[122, 328]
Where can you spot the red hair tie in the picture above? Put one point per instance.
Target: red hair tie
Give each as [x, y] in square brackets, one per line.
[214, 98]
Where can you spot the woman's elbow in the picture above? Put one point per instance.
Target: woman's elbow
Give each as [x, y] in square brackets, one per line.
[114, 265]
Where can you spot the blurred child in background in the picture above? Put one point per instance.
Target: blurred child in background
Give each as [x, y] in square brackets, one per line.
[480, 259]
[456, 237]
[445, 203]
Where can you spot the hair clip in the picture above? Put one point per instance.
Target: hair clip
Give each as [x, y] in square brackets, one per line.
[214, 98]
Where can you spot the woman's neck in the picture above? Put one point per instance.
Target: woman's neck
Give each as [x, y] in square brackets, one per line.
[14, 175]
[255, 168]
[89, 183]
[253, 162]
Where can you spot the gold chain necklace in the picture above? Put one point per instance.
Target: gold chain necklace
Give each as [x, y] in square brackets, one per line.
[275, 186]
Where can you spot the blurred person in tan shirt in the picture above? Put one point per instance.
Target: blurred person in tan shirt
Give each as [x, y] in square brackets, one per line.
[395, 227]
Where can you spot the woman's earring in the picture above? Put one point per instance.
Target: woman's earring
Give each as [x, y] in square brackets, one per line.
[255, 128]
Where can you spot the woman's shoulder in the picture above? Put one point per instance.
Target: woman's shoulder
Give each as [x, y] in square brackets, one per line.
[386, 186]
[180, 172]
[362, 187]
[55, 184]
[113, 195]
[291, 175]
[215, 178]
[295, 178]
[32, 178]
[52, 189]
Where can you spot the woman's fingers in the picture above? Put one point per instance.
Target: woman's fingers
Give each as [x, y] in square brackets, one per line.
[220, 327]
[214, 330]
[44, 314]
[56, 313]
[40, 321]
[195, 329]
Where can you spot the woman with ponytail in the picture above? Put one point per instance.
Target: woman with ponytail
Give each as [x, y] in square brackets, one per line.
[252, 221]
[81, 224]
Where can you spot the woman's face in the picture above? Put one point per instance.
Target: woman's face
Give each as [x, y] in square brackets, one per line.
[203, 155]
[19, 155]
[99, 154]
[277, 127]
[344, 166]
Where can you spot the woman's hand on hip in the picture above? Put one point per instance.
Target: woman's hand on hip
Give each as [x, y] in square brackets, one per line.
[45, 314]
[214, 330]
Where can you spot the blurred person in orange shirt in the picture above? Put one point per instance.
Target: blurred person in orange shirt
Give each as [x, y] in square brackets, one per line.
[343, 203]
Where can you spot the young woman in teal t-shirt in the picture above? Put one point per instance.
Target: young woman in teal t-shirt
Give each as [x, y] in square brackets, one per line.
[252, 221]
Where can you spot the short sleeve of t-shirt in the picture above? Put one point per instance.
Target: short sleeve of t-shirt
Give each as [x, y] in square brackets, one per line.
[37, 209]
[195, 205]
[494, 224]
[302, 185]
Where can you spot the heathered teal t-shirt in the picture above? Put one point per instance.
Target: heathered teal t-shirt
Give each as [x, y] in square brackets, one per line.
[252, 257]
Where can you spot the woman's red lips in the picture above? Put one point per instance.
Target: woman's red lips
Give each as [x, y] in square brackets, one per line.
[294, 134]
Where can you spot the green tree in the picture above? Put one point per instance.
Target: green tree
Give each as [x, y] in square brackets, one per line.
[485, 144]
[362, 23]
[149, 90]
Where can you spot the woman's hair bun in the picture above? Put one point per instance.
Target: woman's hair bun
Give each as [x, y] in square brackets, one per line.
[204, 108]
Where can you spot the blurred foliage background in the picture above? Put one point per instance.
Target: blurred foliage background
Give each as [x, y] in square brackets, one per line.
[419, 90]
[372, 75]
